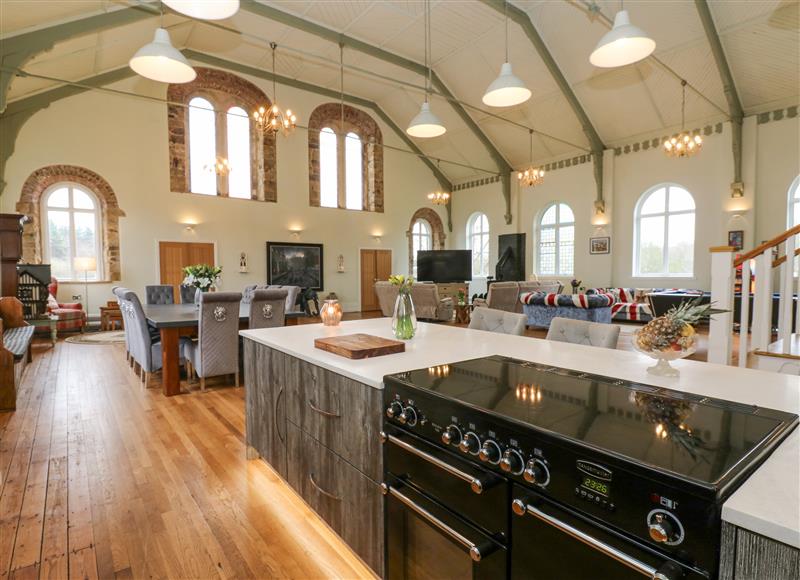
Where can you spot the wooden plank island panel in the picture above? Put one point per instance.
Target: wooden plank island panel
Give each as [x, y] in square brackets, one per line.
[358, 346]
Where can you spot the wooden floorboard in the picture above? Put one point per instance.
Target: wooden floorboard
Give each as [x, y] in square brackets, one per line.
[102, 479]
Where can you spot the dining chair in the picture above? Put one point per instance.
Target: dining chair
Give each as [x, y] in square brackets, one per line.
[188, 294]
[583, 332]
[159, 294]
[118, 292]
[216, 350]
[247, 293]
[267, 309]
[500, 321]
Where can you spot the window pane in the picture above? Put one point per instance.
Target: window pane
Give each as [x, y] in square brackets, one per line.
[549, 217]
[796, 213]
[239, 153]
[327, 168]
[547, 251]
[484, 223]
[651, 245]
[202, 147]
[59, 198]
[565, 214]
[353, 175]
[59, 244]
[680, 199]
[655, 202]
[681, 244]
[566, 250]
[81, 199]
[86, 239]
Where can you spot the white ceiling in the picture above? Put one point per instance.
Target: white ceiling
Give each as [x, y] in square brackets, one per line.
[760, 38]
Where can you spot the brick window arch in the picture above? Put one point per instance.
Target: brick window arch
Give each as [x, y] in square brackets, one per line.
[30, 204]
[431, 218]
[350, 125]
[224, 91]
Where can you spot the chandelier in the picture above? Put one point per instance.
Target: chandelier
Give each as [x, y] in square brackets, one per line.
[532, 176]
[684, 144]
[439, 197]
[270, 120]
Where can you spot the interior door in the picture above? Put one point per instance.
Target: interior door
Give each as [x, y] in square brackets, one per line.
[375, 265]
[174, 256]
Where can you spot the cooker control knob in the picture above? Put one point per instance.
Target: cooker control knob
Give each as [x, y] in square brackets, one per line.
[451, 435]
[394, 409]
[408, 417]
[490, 452]
[536, 472]
[470, 443]
[512, 462]
[664, 528]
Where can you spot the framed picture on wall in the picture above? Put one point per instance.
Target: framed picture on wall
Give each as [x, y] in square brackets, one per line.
[600, 245]
[292, 264]
[736, 239]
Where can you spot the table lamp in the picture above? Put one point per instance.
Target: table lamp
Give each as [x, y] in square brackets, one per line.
[85, 264]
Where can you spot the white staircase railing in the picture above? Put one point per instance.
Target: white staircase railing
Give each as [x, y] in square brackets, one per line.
[756, 320]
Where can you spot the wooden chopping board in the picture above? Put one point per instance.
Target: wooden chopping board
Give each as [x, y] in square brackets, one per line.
[357, 346]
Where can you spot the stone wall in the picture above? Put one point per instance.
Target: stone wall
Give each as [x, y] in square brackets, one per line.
[437, 231]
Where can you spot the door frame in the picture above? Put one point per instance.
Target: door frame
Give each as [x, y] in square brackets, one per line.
[157, 250]
[359, 268]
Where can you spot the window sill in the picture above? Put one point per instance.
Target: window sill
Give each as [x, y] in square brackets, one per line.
[218, 196]
[665, 276]
[82, 282]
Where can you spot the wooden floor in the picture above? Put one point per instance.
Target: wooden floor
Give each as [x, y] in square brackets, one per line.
[101, 479]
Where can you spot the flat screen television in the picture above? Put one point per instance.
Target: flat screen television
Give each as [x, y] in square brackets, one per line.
[443, 266]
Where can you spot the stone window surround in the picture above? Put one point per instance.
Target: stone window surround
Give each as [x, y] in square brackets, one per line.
[358, 122]
[29, 204]
[223, 90]
[437, 231]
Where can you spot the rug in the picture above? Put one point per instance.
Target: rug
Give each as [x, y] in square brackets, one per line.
[108, 337]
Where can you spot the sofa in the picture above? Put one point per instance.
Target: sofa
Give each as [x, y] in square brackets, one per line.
[630, 304]
[427, 303]
[505, 295]
[15, 350]
[71, 315]
[662, 301]
[541, 308]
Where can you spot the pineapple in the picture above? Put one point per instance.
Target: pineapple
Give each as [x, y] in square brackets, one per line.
[674, 330]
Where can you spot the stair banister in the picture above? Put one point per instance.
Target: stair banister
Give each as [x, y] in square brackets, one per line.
[720, 334]
[744, 315]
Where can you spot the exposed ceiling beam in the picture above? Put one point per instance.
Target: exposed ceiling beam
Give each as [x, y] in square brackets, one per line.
[728, 86]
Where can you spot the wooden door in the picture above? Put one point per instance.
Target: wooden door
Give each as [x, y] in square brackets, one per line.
[173, 257]
[375, 265]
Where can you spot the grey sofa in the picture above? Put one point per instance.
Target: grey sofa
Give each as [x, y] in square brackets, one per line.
[427, 303]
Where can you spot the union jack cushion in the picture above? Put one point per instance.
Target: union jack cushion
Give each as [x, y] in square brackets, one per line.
[574, 300]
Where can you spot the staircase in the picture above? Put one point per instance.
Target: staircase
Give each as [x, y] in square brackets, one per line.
[745, 286]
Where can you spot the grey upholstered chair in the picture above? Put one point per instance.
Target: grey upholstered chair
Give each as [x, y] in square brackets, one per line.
[247, 293]
[267, 309]
[118, 291]
[187, 294]
[498, 321]
[216, 351]
[583, 332]
[159, 294]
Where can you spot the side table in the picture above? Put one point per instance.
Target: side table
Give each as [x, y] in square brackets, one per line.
[50, 322]
[463, 313]
[110, 315]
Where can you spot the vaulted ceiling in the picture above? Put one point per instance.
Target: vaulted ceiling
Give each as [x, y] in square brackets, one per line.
[760, 39]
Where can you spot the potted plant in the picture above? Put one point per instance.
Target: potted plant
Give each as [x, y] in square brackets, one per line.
[202, 276]
[404, 319]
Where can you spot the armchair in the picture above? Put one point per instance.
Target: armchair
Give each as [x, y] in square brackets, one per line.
[427, 303]
[71, 315]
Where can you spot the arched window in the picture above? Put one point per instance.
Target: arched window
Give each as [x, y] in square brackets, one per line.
[328, 166]
[238, 141]
[794, 204]
[421, 240]
[353, 172]
[202, 147]
[664, 233]
[478, 242]
[72, 229]
[555, 254]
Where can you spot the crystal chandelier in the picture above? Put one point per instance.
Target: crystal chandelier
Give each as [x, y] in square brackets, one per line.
[532, 176]
[439, 197]
[270, 120]
[684, 144]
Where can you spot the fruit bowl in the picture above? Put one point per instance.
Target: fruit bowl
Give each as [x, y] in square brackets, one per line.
[662, 368]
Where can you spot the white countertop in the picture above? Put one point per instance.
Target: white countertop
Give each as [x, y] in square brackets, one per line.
[768, 503]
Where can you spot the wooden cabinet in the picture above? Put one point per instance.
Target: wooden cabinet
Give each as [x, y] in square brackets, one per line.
[451, 290]
[10, 252]
[746, 555]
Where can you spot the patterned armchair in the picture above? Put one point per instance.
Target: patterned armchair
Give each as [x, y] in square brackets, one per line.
[71, 315]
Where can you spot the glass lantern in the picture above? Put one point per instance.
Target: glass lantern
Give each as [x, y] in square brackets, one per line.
[331, 313]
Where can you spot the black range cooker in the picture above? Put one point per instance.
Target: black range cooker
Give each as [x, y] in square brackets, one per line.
[502, 468]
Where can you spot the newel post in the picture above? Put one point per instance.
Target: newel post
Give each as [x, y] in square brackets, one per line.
[720, 334]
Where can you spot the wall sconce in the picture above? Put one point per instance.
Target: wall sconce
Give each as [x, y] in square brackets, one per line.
[737, 189]
[295, 232]
[189, 226]
[340, 264]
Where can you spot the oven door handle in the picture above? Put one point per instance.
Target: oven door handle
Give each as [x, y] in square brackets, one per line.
[476, 484]
[668, 571]
[475, 552]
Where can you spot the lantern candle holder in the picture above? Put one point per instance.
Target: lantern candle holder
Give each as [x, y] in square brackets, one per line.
[331, 313]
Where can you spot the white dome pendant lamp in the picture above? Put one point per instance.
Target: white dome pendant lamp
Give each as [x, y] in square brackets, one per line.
[508, 89]
[162, 62]
[623, 44]
[205, 9]
[426, 124]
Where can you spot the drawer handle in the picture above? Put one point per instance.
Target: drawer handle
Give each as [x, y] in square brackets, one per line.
[322, 491]
[321, 412]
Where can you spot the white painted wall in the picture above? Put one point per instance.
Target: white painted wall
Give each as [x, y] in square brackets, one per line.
[125, 141]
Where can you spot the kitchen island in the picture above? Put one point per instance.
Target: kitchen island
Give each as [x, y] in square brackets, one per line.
[316, 417]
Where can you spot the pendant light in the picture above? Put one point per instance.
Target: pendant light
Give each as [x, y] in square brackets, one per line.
[684, 144]
[205, 9]
[532, 176]
[162, 62]
[439, 197]
[623, 44]
[272, 119]
[426, 124]
[506, 90]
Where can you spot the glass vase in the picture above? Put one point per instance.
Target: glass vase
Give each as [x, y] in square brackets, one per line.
[404, 319]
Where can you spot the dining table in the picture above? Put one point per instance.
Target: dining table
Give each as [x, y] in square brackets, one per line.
[175, 320]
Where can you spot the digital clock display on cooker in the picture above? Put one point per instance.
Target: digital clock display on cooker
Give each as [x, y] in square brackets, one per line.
[596, 485]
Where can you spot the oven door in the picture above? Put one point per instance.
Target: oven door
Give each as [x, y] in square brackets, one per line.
[424, 540]
[550, 542]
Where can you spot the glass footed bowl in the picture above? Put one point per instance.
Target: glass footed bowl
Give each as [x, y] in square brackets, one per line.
[662, 368]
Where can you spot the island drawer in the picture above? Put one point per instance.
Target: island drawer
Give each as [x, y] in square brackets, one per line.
[342, 414]
[349, 502]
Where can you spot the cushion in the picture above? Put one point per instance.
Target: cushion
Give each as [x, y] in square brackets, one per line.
[52, 303]
[16, 340]
[631, 311]
[569, 300]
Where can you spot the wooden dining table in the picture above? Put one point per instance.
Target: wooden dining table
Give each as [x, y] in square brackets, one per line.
[174, 320]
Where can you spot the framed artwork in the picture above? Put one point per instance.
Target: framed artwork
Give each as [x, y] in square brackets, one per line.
[293, 264]
[736, 239]
[600, 245]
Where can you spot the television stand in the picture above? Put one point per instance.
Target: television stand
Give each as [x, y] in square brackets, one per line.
[451, 289]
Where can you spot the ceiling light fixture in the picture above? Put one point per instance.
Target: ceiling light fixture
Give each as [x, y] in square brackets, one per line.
[532, 176]
[684, 144]
[272, 119]
[623, 44]
[506, 90]
[205, 9]
[162, 62]
[426, 124]
[439, 197]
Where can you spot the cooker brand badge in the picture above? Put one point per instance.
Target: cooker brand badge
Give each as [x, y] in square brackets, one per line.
[590, 468]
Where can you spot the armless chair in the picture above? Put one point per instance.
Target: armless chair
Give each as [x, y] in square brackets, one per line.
[583, 332]
[498, 321]
[118, 292]
[187, 294]
[159, 294]
[247, 293]
[216, 351]
[267, 309]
